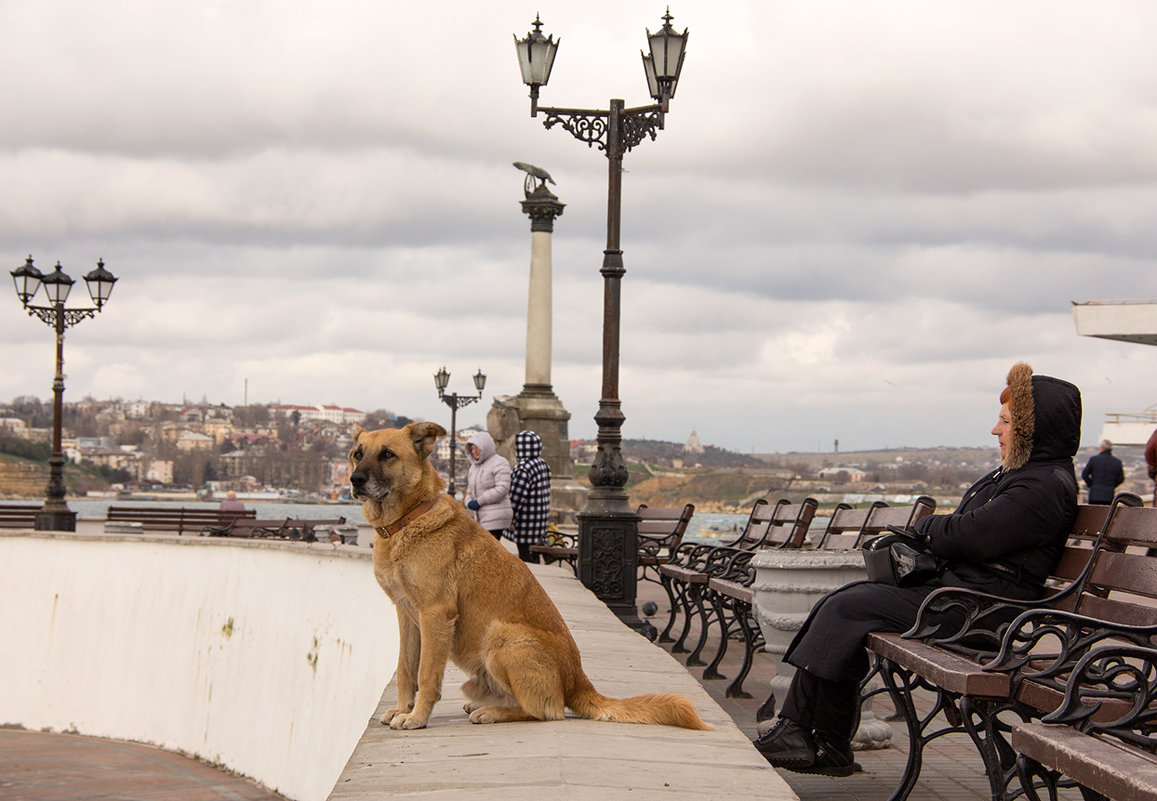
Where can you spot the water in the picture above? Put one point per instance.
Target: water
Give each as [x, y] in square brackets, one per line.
[700, 521]
[352, 512]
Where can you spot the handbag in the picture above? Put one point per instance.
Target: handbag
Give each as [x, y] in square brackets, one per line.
[901, 558]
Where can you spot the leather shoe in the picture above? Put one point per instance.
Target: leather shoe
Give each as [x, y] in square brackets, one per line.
[787, 745]
[832, 758]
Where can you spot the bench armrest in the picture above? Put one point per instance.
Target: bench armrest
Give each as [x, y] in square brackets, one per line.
[971, 622]
[560, 539]
[1126, 677]
[1044, 645]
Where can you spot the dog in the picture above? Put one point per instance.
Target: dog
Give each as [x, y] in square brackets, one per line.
[461, 596]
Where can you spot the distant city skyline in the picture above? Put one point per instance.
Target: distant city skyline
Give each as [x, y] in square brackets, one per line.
[858, 216]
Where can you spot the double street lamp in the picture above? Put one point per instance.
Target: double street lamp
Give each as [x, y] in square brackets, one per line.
[608, 530]
[456, 402]
[55, 514]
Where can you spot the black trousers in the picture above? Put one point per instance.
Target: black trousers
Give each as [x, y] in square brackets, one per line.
[829, 708]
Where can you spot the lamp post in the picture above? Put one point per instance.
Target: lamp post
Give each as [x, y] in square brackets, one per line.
[456, 402]
[55, 514]
[608, 532]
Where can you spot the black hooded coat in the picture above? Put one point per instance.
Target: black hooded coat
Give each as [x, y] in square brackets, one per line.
[1004, 538]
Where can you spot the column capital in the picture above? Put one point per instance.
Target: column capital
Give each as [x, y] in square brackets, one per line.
[542, 207]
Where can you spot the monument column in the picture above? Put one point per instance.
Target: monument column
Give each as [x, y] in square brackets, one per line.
[542, 207]
[536, 408]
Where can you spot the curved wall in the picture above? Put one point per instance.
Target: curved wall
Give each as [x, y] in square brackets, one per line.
[267, 658]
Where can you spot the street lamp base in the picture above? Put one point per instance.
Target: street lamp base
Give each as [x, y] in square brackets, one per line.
[55, 521]
[609, 552]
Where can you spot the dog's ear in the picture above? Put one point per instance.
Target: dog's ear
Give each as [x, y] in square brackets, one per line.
[425, 436]
[356, 431]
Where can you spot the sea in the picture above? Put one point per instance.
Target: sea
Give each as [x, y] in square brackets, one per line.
[702, 528]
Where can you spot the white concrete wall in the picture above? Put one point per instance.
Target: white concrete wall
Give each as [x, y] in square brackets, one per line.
[267, 658]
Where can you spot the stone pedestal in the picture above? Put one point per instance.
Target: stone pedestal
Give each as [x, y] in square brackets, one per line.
[544, 414]
[788, 583]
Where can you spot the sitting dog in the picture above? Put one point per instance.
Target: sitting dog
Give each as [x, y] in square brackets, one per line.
[460, 595]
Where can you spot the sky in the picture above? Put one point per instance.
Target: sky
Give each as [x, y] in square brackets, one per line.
[859, 215]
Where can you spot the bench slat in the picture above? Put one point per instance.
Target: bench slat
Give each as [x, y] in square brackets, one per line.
[1112, 768]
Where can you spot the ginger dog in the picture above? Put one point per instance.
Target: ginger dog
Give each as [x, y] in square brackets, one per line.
[460, 595]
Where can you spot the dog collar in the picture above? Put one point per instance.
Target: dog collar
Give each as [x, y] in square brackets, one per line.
[398, 525]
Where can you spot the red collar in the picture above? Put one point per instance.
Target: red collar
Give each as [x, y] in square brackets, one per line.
[401, 523]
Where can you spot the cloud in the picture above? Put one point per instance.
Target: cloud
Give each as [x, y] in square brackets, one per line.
[856, 218]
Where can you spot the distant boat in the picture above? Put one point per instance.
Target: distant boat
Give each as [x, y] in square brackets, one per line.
[719, 527]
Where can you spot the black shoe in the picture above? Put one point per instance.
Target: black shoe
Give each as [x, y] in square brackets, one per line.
[832, 758]
[787, 745]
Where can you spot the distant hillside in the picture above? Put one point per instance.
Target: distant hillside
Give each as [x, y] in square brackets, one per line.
[667, 453]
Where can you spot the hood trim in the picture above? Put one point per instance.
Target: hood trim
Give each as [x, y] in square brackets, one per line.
[1023, 413]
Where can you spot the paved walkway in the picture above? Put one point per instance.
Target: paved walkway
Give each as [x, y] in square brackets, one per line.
[36, 766]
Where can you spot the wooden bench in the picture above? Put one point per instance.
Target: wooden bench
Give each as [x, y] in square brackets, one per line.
[180, 520]
[661, 531]
[289, 528]
[983, 657]
[686, 576]
[18, 515]
[1110, 755]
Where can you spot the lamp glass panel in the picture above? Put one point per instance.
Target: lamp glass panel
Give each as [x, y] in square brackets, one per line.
[523, 48]
[652, 81]
[541, 61]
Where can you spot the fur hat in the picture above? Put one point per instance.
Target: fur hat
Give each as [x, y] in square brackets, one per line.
[1018, 396]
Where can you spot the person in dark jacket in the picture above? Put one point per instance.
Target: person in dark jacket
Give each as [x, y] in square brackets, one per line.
[1004, 538]
[529, 495]
[1103, 474]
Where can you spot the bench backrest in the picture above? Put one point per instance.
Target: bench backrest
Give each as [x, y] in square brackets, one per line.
[1122, 580]
[663, 526]
[130, 513]
[1083, 536]
[787, 526]
[845, 526]
[850, 528]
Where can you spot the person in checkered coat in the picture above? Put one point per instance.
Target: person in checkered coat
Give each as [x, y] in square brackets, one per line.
[529, 495]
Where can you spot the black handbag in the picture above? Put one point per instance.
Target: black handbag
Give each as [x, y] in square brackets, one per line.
[902, 558]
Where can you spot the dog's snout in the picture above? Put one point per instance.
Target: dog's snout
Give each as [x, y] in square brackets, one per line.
[358, 480]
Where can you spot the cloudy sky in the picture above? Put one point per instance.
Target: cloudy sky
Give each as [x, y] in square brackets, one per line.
[860, 214]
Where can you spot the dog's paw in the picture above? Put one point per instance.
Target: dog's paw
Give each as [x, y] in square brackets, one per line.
[470, 706]
[389, 715]
[407, 720]
[483, 715]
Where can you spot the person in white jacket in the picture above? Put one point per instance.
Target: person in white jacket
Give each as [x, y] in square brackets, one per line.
[488, 485]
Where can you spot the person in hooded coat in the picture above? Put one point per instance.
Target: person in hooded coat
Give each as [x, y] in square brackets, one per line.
[487, 485]
[1004, 538]
[529, 495]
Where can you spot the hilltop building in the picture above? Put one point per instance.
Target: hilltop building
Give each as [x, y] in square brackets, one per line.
[693, 446]
[320, 413]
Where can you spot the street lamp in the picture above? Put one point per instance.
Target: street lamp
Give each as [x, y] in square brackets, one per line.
[55, 514]
[607, 525]
[456, 402]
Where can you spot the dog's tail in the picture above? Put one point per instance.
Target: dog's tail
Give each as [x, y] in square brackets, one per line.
[664, 709]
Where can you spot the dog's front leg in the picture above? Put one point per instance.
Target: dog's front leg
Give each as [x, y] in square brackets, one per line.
[410, 645]
[437, 633]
